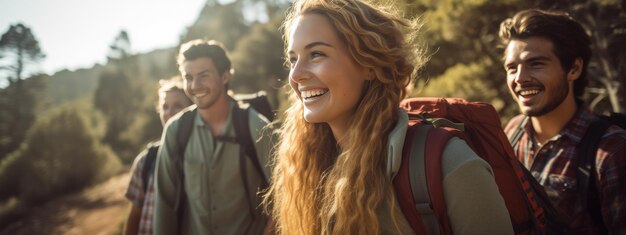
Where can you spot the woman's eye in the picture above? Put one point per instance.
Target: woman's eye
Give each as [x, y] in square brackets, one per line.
[315, 54]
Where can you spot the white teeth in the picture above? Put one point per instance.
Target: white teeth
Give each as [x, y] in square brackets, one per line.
[312, 93]
[529, 92]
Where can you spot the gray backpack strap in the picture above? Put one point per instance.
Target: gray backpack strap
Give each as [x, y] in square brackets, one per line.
[419, 187]
[182, 137]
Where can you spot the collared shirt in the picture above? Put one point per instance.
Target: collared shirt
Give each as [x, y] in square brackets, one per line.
[216, 199]
[140, 198]
[554, 165]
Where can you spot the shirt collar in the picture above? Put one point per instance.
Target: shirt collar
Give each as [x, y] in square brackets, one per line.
[574, 129]
[200, 123]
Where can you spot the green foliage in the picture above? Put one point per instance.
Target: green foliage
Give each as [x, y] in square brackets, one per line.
[224, 23]
[20, 46]
[461, 80]
[120, 99]
[19, 97]
[126, 94]
[10, 172]
[466, 81]
[259, 61]
[66, 85]
[62, 153]
[20, 103]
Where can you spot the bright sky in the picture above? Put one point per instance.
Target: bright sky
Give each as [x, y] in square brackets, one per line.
[77, 33]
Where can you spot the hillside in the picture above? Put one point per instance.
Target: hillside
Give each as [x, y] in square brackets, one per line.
[67, 85]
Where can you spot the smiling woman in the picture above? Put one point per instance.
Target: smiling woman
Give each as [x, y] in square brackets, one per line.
[349, 66]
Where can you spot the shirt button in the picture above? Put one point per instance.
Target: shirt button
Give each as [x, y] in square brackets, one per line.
[214, 208]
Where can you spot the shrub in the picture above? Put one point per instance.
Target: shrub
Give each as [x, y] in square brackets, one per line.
[62, 153]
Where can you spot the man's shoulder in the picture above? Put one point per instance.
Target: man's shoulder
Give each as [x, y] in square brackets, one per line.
[611, 142]
[140, 159]
[176, 121]
[614, 138]
[256, 122]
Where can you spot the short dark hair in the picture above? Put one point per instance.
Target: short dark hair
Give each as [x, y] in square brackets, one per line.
[199, 48]
[569, 39]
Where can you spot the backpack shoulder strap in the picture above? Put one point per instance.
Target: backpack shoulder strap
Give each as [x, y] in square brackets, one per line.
[148, 165]
[242, 135]
[585, 175]
[417, 179]
[434, 145]
[182, 137]
[423, 148]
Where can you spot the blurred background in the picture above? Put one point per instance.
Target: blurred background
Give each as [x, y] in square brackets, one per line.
[78, 84]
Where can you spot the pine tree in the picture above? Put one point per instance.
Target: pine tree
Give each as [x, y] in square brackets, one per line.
[20, 90]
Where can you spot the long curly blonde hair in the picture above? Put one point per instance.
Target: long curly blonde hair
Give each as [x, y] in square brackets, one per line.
[318, 187]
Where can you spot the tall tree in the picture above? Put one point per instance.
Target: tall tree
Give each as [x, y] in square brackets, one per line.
[20, 98]
[120, 55]
[19, 46]
[224, 23]
[120, 95]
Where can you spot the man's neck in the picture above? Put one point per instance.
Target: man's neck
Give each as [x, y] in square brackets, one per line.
[550, 124]
[216, 116]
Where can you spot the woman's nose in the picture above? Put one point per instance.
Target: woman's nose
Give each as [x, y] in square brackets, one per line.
[299, 72]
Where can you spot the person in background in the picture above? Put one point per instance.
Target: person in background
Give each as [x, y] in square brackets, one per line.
[220, 178]
[349, 65]
[546, 60]
[140, 192]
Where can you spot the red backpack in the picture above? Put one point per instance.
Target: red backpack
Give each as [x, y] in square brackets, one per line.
[432, 122]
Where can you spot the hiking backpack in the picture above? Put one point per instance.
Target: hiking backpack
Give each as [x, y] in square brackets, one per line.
[239, 113]
[418, 183]
[586, 176]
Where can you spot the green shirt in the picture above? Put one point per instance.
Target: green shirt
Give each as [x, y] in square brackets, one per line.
[216, 200]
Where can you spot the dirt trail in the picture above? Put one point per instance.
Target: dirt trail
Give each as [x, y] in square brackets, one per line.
[99, 210]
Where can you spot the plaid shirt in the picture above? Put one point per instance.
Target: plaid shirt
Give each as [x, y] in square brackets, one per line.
[135, 193]
[554, 166]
